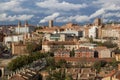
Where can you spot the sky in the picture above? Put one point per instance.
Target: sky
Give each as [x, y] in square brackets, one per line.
[61, 11]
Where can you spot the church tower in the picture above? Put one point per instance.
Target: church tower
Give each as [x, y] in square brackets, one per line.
[26, 23]
[19, 24]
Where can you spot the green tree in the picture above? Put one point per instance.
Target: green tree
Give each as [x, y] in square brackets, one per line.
[31, 47]
[91, 40]
[97, 65]
[62, 47]
[50, 63]
[109, 44]
[69, 77]
[117, 51]
[24, 60]
[114, 63]
[72, 53]
[61, 63]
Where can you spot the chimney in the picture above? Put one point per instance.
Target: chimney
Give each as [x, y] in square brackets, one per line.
[50, 23]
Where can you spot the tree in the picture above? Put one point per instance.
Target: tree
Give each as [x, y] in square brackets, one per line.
[62, 47]
[109, 44]
[117, 51]
[91, 39]
[50, 63]
[69, 77]
[33, 47]
[23, 60]
[72, 53]
[114, 63]
[97, 65]
[61, 63]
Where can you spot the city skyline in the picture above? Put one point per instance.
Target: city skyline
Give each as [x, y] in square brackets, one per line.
[61, 11]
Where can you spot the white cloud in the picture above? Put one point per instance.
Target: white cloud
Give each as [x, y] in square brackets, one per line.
[82, 18]
[13, 5]
[56, 5]
[5, 17]
[105, 7]
[106, 3]
[77, 18]
[117, 14]
[97, 13]
[50, 17]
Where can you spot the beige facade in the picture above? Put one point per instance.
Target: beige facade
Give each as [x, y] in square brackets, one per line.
[55, 37]
[18, 49]
[54, 45]
[110, 33]
[50, 23]
[117, 57]
[103, 52]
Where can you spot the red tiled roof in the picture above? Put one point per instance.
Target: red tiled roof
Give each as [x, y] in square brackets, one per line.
[111, 73]
[73, 59]
[59, 43]
[100, 48]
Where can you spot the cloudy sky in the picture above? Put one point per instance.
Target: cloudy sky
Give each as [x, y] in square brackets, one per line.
[61, 11]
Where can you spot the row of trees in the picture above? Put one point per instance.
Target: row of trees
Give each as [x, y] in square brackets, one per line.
[22, 60]
[99, 64]
[33, 47]
[52, 64]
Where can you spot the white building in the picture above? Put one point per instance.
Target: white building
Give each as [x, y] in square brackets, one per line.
[88, 45]
[24, 29]
[14, 38]
[55, 37]
[73, 32]
[93, 32]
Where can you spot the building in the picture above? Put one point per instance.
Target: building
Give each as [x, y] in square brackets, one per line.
[2, 35]
[13, 38]
[28, 74]
[87, 74]
[75, 61]
[73, 33]
[48, 29]
[71, 26]
[51, 23]
[55, 37]
[55, 45]
[88, 45]
[19, 49]
[102, 52]
[93, 32]
[110, 33]
[117, 57]
[97, 22]
[62, 53]
[84, 52]
[24, 29]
